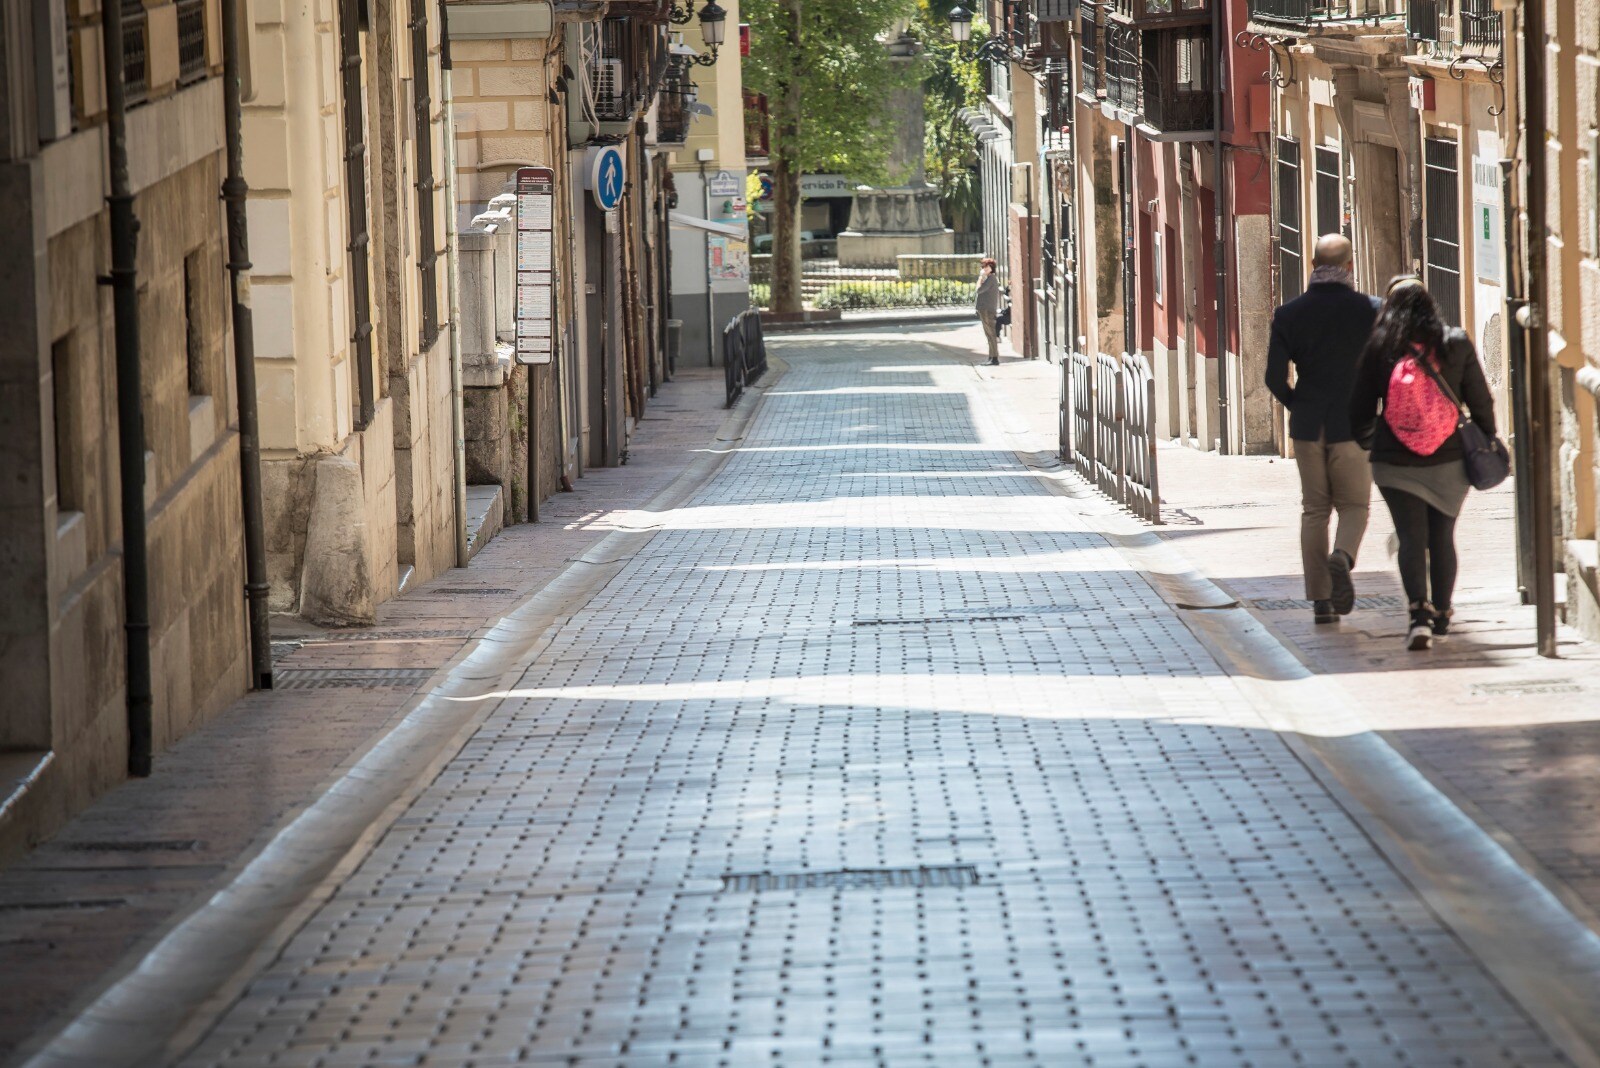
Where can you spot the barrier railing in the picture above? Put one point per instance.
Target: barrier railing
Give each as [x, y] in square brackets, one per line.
[1112, 440]
[744, 353]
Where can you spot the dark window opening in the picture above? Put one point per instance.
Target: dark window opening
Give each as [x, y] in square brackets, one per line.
[1442, 225]
[69, 483]
[1291, 246]
[193, 328]
[1330, 192]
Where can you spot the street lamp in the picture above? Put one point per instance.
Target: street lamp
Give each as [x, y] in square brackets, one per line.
[713, 28]
[960, 24]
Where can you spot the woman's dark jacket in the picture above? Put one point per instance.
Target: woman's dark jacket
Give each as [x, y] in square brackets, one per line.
[1461, 371]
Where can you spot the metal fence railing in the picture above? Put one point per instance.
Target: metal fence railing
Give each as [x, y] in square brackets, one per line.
[916, 281]
[744, 353]
[1112, 432]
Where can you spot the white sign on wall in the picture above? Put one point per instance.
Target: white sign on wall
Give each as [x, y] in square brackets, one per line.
[536, 187]
[1486, 232]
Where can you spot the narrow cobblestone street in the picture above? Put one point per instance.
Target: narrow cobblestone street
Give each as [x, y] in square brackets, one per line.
[878, 751]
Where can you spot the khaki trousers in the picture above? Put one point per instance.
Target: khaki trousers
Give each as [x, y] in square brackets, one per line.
[1333, 478]
[992, 333]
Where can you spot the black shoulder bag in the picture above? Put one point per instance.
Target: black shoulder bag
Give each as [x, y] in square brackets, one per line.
[1487, 459]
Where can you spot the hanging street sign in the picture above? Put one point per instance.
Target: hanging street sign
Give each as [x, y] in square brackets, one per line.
[535, 190]
[605, 176]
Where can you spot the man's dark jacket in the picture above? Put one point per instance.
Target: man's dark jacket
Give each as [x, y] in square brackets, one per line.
[1322, 332]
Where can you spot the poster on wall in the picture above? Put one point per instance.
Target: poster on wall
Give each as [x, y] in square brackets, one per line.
[729, 256]
[535, 192]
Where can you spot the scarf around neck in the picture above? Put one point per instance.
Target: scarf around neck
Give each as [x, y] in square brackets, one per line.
[1336, 275]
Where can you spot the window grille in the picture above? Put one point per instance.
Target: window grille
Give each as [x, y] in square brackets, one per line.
[427, 254]
[135, 51]
[191, 40]
[1441, 224]
[1291, 247]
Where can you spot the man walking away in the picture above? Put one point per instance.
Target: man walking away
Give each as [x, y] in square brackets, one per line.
[989, 306]
[1322, 333]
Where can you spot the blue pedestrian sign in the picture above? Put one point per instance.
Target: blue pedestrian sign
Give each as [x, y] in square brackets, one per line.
[605, 176]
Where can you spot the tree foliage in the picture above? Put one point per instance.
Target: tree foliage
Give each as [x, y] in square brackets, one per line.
[843, 76]
[953, 80]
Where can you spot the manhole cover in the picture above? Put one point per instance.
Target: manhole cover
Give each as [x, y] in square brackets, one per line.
[1527, 688]
[349, 678]
[953, 875]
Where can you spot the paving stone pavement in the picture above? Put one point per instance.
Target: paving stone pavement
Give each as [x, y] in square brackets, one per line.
[1508, 734]
[146, 851]
[876, 754]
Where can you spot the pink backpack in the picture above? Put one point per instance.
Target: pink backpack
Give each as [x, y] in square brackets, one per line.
[1415, 408]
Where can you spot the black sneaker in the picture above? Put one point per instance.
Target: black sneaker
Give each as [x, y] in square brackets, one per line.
[1322, 612]
[1344, 591]
[1419, 636]
[1441, 621]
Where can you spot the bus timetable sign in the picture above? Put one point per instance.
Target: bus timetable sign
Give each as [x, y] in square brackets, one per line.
[535, 264]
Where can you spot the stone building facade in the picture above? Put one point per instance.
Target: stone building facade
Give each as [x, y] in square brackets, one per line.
[344, 157]
[64, 724]
[1572, 140]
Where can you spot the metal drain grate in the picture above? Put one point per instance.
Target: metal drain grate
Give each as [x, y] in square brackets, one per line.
[46, 906]
[349, 678]
[1288, 604]
[1527, 688]
[952, 875]
[933, 619]
[389, 635]
[155, 845]
[467, 591]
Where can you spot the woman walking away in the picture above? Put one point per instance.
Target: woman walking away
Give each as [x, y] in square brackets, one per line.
[1419, 376]
[989, 306]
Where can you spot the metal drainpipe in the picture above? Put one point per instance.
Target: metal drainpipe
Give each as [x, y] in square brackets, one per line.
[130, 413]
[355, 198]
[1219, 240]
[234, 193]
[711, 312]
[1533, 319]
[453, 295]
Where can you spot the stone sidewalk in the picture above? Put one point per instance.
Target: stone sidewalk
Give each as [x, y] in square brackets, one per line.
[143, 854]
[1512, 737]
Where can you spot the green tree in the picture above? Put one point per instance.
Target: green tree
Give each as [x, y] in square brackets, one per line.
[823, 67]
[953, 80]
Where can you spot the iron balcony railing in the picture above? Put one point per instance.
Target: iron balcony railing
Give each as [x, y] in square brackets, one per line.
[1481, 25]
[1178, 95]
[1122, 66]
[1093, 37]
[1311, 12]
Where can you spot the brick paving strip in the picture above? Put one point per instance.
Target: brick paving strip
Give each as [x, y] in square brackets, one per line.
[105, 890]
[876, 750]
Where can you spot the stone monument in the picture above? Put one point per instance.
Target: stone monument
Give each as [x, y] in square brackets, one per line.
[904, 218]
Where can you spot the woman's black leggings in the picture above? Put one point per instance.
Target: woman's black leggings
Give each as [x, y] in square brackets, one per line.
[1427, 547]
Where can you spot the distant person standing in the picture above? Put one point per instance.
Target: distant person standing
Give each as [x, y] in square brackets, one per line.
[1422, 374]
[989, 306]
[1322, 334]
